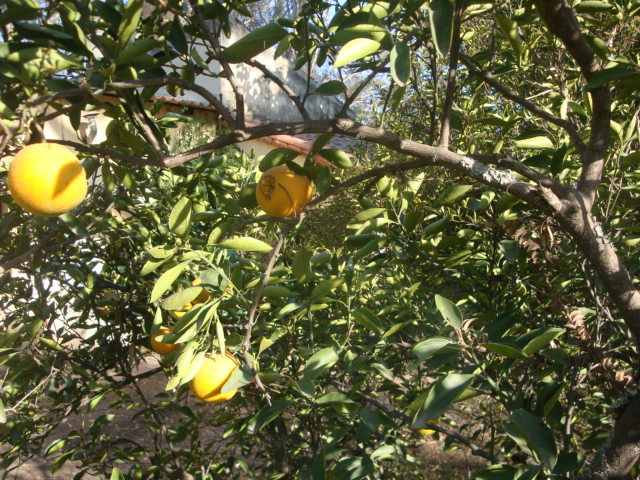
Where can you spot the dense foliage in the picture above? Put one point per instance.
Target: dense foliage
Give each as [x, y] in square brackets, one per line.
[484, 288]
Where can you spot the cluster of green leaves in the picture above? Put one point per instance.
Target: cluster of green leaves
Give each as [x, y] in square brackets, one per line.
[417, 300]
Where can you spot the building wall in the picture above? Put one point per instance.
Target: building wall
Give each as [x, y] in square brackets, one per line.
[264, 100]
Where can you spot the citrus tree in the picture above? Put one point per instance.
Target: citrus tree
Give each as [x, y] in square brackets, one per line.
[468, 273]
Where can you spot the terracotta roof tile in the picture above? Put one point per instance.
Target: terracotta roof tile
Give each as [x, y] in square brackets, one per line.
[300, 143]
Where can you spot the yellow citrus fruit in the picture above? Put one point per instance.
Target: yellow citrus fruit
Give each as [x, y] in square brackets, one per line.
[425, 432]
[183, 312]
[281, 193]
[203, 296]
[208, 382]
[159, 347]
[47, 179]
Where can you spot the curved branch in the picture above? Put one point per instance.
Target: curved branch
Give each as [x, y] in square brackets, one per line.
[562, 22]
[489, 79]
[295, 98]
[214, 43]
[351, 98]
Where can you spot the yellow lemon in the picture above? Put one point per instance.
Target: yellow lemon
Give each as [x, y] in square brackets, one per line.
[159, 347]
[203, 296]
[183, 312]
[47, 179]
[208, 382]
[281, 193]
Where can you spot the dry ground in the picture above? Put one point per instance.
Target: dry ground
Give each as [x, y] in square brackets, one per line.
[440, 465]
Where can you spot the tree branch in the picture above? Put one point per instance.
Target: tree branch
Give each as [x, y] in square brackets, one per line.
[351, 98]
[445, 119]
[226, 68]
[489, 79]
[562, 22]
[252, 318]
[295, 98]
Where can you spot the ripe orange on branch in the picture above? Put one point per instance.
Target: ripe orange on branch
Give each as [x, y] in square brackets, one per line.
[160, 347]
[47, 179]
[214, 373]
[282, 193]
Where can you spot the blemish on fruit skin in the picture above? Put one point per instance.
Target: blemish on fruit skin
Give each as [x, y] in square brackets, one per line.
[288, 196]
[267, 185]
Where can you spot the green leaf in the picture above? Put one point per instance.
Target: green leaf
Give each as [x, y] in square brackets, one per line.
[331, 88]
[441, 395]
[334, 397]
[129, 22]
[166, 280]
[497, 472]
[177, 37]
[3, 413]
[538, 436]
[255, 42]
[326, 286]
[246, 244]
[607, 75]
[180, 217]
[337, 157]
[449, 311]
[431, 346]
[268, 414]
[532, 141]
[436, 227]
[319, 362]
[509, 28]
[116, 474]
[536, 340]
[276, 157]
[276, 291]
[179, 299]
[368, 319]
[240, 377]
[400, 63]
[367, 214]
[451, 195]
[55, 446]
[396, 328]
[506, 350]
[301, 266]
[320, 142]
[593, 6]
[355, 50]
[137, 48]
[441, 17]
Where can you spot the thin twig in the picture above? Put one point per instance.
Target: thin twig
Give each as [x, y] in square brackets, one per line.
[252, 317]
[214, 43]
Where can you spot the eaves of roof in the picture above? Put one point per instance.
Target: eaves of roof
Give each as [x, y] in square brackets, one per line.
[300, 143]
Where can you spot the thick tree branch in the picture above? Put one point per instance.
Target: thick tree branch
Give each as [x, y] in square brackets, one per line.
[490, 80]
[562, 22]
[617, 458]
